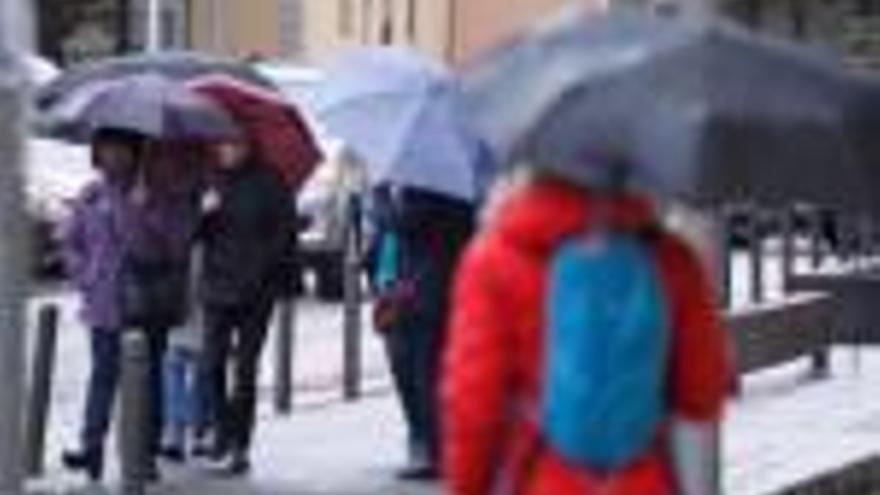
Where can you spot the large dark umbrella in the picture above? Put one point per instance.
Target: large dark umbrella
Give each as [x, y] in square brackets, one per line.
[178, 65]
[698, 108]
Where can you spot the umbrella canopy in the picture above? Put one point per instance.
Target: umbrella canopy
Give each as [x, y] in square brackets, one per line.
[178, 65]
[275, 126]
[40, 71]
[150, 105]
[697, 108]
[401, 114]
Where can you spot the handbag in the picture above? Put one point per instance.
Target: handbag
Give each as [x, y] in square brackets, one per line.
[390, 305]
[154, 294]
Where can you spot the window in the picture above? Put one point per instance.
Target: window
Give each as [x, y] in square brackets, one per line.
[412, 19]
[867, 7]
[346, 17]
[386, 33]
[367, 21]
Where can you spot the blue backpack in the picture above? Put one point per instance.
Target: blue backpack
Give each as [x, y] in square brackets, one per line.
[606, 351]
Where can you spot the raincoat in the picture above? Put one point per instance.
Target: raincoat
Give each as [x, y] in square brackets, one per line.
[491, 373]
[105, 230]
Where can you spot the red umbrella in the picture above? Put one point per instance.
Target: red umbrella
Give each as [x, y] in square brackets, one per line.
[272, 124]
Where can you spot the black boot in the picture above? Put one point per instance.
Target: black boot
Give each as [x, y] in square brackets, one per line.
[239, 463]
[89, 460]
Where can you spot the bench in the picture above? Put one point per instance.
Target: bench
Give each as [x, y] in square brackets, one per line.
[773, 332]
[857, 320]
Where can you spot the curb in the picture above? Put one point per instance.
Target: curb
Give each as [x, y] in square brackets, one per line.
[858, 478]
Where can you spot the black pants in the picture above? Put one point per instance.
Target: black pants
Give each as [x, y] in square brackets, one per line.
[106, 347]
[414, 351]
[236, 333]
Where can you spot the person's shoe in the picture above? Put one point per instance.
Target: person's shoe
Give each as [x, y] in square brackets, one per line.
[173, 453]
[239, 464]
[92, 462]
[218, 449]
[201, 444]
[419, 472]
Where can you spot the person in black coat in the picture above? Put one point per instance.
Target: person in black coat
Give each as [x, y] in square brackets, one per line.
[247, 217]
[430, 231]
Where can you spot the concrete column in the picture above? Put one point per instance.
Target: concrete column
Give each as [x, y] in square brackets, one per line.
[13, 249]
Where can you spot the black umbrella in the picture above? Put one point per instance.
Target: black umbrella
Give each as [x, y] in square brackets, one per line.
[179, 65]
[696, 108]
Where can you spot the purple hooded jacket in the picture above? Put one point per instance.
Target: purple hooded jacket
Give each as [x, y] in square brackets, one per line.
[103, 230]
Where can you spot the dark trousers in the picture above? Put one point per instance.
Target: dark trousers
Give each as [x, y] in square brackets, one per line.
[237, 332]
[106, 347]
[414, 352]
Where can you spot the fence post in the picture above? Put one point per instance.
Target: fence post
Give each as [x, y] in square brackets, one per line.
[40, 396]
[135, 400]
[352, 305]
[815, 239]
[285, 346]
[788, 249]
[756, 255]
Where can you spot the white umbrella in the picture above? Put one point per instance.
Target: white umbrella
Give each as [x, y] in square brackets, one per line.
[400, 113]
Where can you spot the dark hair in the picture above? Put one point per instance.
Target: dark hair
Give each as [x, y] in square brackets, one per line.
[118, 136]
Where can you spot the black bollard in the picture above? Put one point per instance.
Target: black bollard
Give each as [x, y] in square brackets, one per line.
[756, 255]
[788, 251]
[722, 232]
[40, 397]
[351, 348]
[285, 346]
[135, 400]
[816, 252]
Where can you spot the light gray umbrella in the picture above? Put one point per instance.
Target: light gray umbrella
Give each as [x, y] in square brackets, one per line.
[177, 65]
[698, 108]
[147, 104]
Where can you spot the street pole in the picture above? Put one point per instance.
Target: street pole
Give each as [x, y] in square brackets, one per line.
[154, 26]
[13, 248]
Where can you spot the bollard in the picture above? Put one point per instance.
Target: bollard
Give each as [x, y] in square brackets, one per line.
[40, 397]
[351, 348]
[788, 255]
[816, 239]
[756, 256]
[721, 231]
[285, 346]
[134, 394]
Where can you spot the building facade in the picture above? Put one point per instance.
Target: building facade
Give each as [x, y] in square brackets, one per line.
[239, 28]
[71, 32]
[454, 30]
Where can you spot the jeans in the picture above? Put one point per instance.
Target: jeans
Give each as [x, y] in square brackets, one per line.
[237, 332]
[187, 404]
[106, 348]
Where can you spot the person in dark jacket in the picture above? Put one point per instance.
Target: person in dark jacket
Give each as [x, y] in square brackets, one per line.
[245, 230]
[429, 231]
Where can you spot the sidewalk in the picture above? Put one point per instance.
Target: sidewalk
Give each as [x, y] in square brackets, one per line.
[337, 449]
[783, 431]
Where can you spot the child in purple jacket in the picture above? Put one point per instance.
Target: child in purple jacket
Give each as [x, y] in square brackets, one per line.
[113, 225]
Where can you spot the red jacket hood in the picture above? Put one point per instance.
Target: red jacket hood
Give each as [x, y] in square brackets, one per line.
[544, 212]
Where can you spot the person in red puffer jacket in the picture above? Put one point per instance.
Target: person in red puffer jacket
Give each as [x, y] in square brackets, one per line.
[491, 369]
